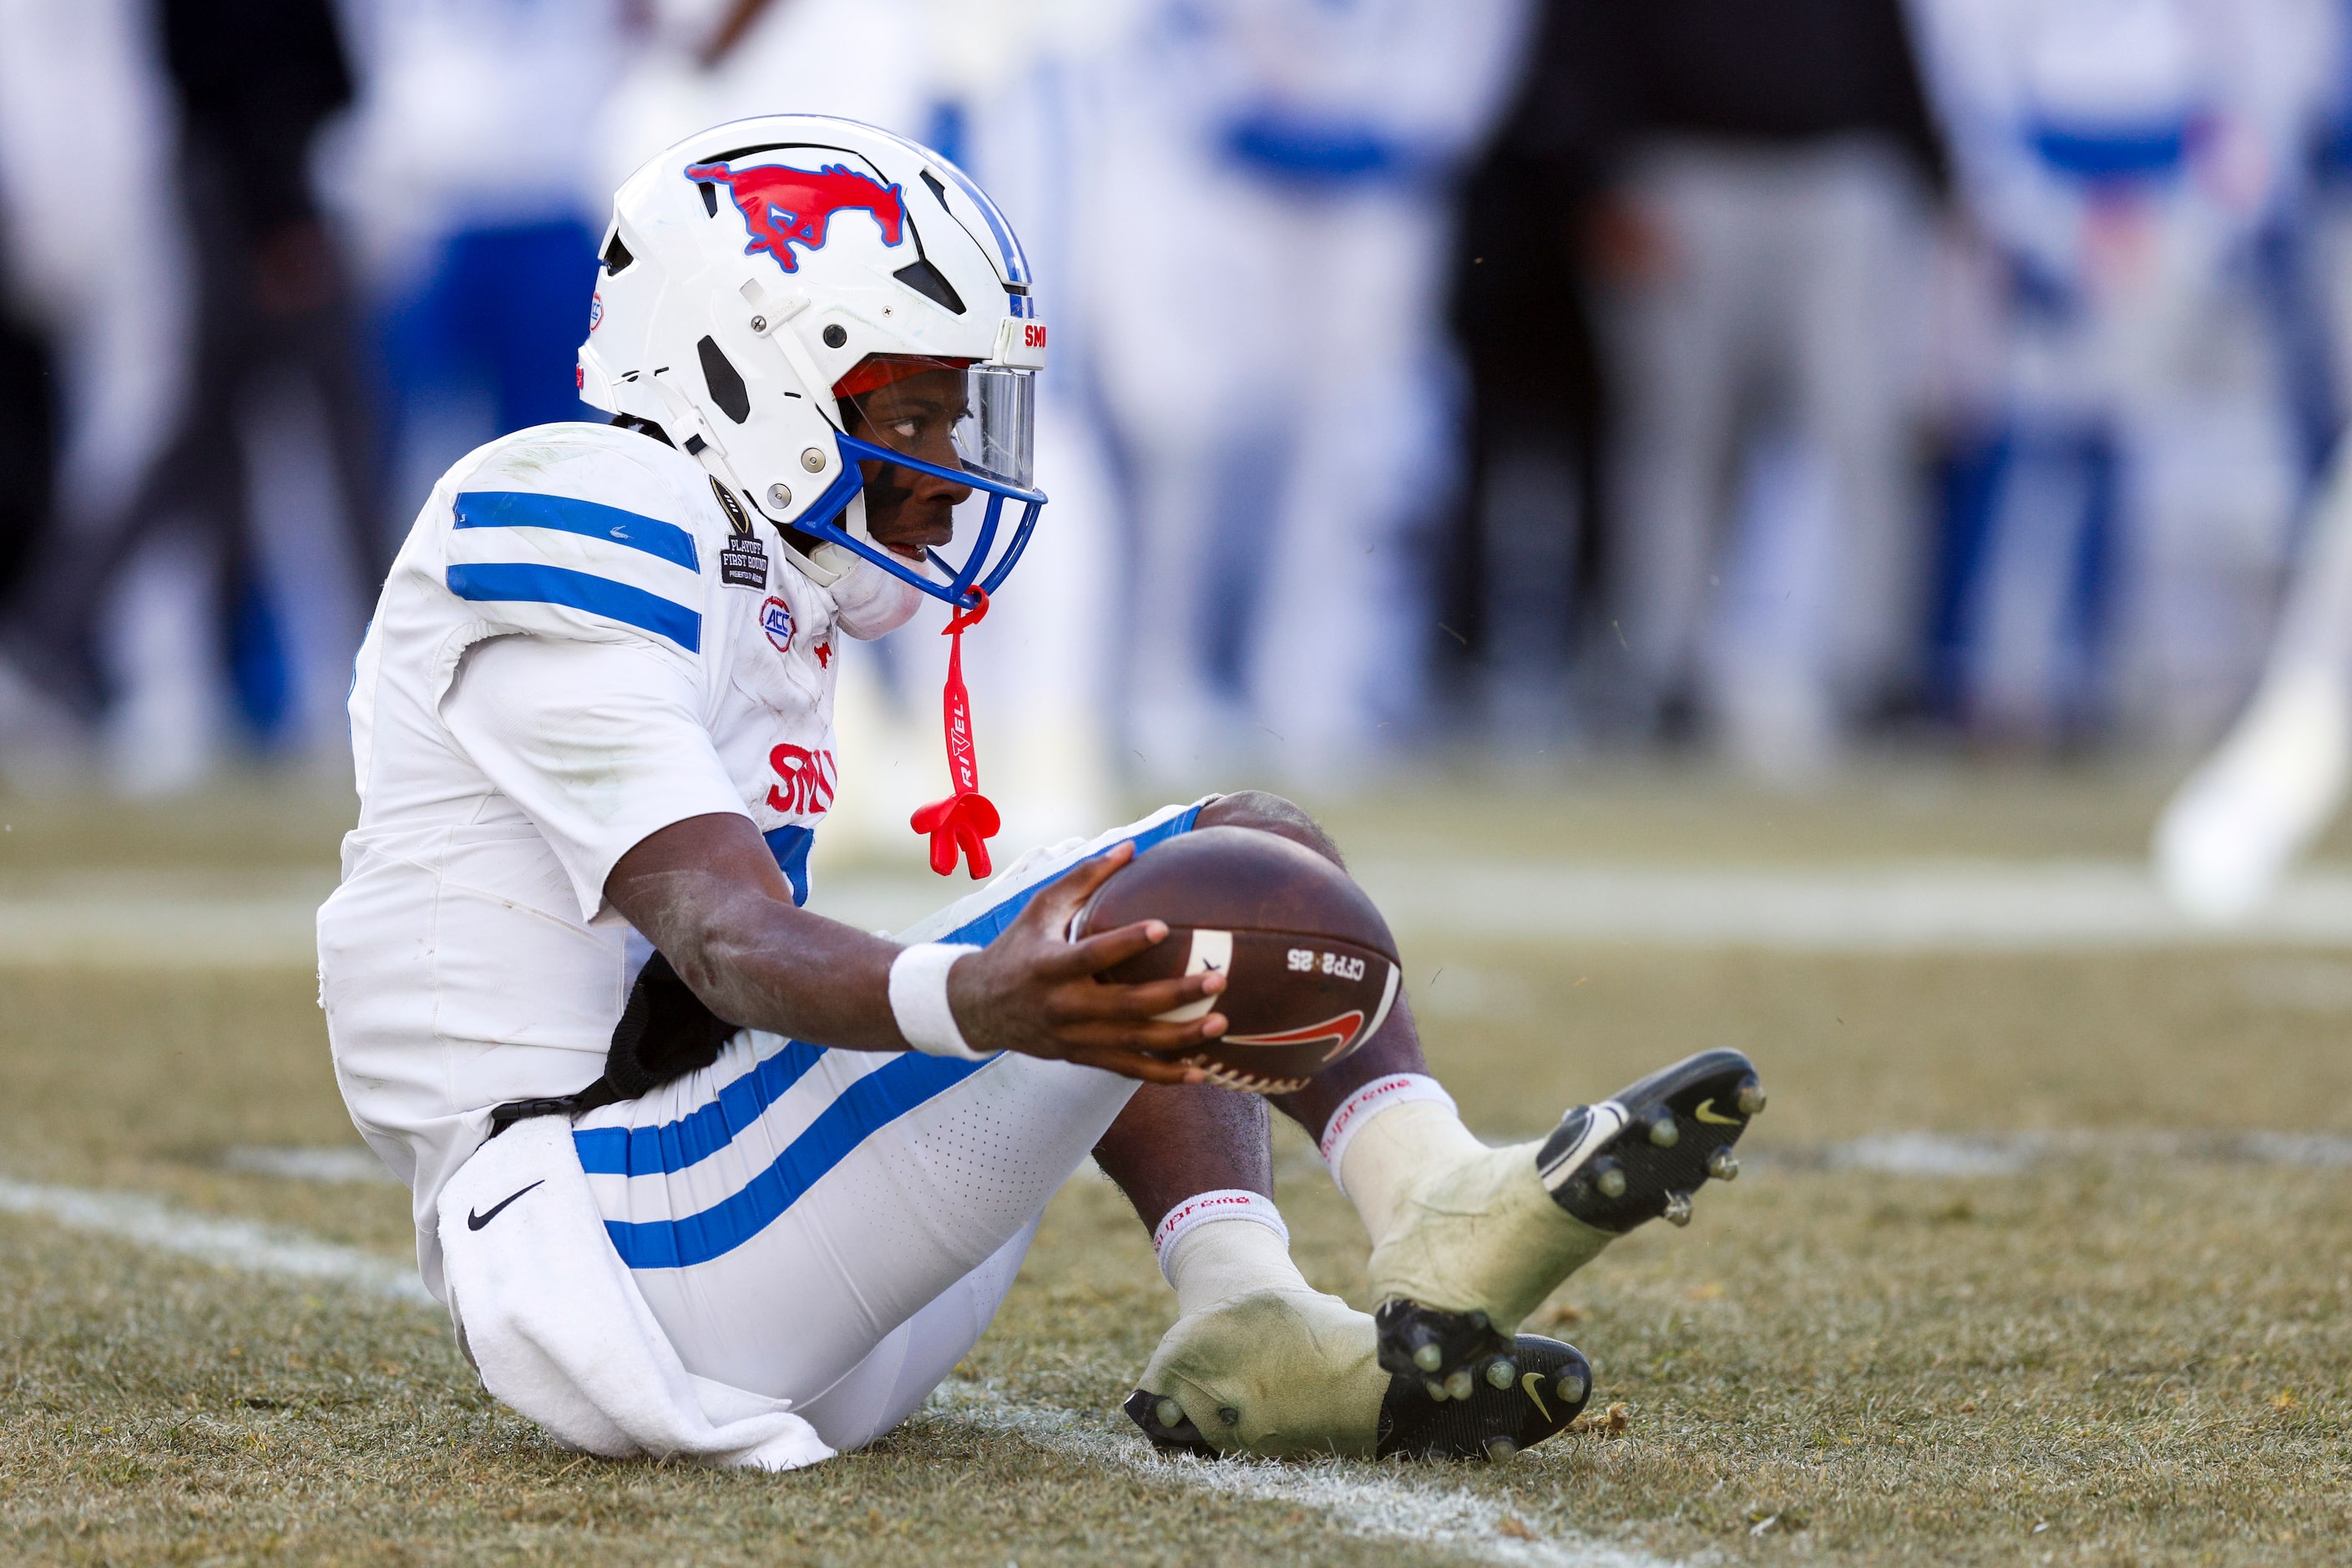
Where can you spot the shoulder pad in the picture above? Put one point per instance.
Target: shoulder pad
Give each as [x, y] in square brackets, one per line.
[564, 530]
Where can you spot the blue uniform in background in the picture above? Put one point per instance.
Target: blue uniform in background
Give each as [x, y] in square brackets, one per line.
[2130, 162]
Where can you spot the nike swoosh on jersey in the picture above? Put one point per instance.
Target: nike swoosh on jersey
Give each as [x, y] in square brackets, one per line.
[477, 1221]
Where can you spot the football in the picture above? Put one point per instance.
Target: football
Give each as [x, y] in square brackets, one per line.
[1311, 970]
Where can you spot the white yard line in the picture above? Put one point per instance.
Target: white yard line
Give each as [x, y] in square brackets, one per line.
[1377, 1507]
[1895, 907]
[2009, 1153]
[1374, 1507]
[335, 1164]
[1926, 906]
[103, 931]
[231, 1242]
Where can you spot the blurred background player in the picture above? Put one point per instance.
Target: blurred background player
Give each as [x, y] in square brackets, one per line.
[462, 178]
[1596, 430]
[1761, 176]
[1296, 164]
[217, 519]
[2132, 162]
[97, 330]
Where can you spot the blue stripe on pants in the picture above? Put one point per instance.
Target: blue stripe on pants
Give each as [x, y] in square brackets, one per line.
[694, 1138]
[867, 1105]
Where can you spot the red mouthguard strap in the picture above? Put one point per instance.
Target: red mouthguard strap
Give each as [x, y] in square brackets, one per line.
[966, 820]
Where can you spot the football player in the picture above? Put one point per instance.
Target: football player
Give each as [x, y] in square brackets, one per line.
[700, 1172]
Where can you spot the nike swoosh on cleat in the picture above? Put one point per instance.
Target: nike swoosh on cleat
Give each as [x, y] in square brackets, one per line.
[1533, 1383]
[1705, 1113]
[477, 1221]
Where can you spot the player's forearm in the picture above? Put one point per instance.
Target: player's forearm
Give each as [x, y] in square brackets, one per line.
[766, 965]
[708, 894]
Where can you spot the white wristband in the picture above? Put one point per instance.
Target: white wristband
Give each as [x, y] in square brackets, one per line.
[918, 999]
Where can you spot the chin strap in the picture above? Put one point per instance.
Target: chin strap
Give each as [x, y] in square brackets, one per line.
[965, 820]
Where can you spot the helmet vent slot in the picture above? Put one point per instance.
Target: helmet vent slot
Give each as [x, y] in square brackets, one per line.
[710, 197]
[938, 191]
[931, 283]
[725, 382]
[616, 255]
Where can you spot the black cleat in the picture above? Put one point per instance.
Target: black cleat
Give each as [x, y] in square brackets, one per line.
[1638, 1155]
[1517, 1402]
[1164, 1422]
[1641, 1154]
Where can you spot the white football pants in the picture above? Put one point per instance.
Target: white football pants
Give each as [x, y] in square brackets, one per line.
[835, 1228]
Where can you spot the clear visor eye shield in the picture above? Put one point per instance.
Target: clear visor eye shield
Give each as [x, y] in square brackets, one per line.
[972, 424]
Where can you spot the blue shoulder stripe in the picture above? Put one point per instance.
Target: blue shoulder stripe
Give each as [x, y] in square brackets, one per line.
[588, 519]
[579, 591]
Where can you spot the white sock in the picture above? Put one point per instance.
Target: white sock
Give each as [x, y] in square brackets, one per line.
[1385, 1136]
[1368, 1101]
[1225, 1244]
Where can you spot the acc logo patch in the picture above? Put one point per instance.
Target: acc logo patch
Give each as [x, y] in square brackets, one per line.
[595, 311]
[776, 620]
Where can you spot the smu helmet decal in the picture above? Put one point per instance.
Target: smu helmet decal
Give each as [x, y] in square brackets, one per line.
[784, 207]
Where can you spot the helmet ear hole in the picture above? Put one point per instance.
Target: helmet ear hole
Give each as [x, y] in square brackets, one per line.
[836, 335]
[931, 283]
[725, 382]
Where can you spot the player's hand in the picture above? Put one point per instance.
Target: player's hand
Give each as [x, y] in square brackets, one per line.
[1035, 991]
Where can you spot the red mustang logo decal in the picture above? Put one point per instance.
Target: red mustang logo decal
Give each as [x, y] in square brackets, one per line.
[785, 206]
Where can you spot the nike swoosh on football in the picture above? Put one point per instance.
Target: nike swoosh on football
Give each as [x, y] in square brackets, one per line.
[1338, 1029]
[1533, 1383]
[1705, 1113]
[477, 1221]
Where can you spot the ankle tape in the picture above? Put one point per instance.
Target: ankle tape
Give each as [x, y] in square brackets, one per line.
[1397, 1089]
[1204, 1208]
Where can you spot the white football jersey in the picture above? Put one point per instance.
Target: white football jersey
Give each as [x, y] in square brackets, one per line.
[581, 643]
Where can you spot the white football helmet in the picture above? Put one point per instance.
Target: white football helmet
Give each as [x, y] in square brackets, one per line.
[762, 274]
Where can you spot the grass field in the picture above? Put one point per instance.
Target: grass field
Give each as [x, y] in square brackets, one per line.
[2129, 1341]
